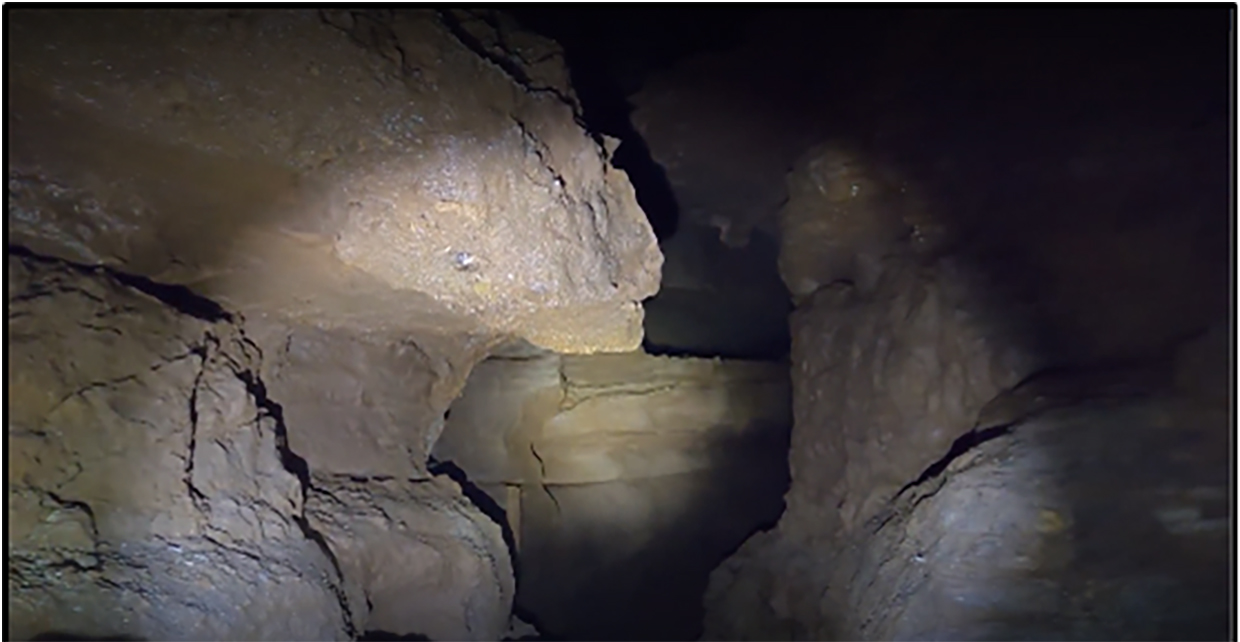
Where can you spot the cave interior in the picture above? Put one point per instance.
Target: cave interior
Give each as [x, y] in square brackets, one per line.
[620, 322]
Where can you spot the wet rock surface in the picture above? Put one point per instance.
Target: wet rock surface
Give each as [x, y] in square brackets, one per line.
[358, 169]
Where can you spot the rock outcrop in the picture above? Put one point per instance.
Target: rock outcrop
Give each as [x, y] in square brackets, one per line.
[253, 256]
[1003, 421]
[371, 170]
[151, 489]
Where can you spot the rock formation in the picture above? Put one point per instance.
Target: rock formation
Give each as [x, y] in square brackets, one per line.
[326, 325]
[994, 433]
[625, 479]
[395, 171]
[253, 256]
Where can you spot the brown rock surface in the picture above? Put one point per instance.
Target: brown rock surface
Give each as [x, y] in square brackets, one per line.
[371, 200]
[417, 557]
[144, 468]
[359, 169]
[356, 403]
[625, 478]
[1006, 425]
[149, 458]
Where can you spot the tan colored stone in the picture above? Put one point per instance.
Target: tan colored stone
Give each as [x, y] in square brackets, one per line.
[417, 557]
[405, 184]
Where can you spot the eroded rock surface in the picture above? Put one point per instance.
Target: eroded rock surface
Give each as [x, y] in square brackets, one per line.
[369, 170]
[624, 478]
[358, 402]
[150, 490]
[338, 214]
[157, 490]
[417, 557]
[1003, 423]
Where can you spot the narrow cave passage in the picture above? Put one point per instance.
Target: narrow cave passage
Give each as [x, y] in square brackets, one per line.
[720, 293]
[341, 324]
[624, 480]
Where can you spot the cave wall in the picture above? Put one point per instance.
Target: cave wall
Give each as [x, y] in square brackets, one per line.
[145, 466]
[1008, 253]
[299, 163]
[625, 479]
[253, 256]
[150, 457]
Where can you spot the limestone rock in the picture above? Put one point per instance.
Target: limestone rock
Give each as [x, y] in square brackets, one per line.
[897, 377]
[503, 406]
[946, 245]
[569, 420]
[843, 217]
[372, 170]
[417, 557]
[148, 489]
[1009, 545]
[624, 478]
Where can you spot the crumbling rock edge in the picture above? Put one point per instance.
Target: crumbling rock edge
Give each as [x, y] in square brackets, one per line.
[221, 347]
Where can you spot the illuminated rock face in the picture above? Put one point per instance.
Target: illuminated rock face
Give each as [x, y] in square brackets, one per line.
[144, 474]
[368, 170]
[625, 478]
[359, 207]
[157, 486]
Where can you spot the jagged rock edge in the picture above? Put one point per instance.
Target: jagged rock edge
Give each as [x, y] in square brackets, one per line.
[198, 306]
[297, 466]
[510, 69]
[178, 297]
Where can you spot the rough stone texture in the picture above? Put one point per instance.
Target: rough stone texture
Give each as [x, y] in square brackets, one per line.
[149, 489]
[356, 403]
[150, 459]
[417, 557]
[374, 170]
[624, 478]
[1033, 230]
[890, 380]
[843, 217]
[371, 200]
[1103, 519]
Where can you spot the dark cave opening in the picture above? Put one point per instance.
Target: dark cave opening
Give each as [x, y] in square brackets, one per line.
[610, 53]
[629, 522]
[588, 42]
[716, 302]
